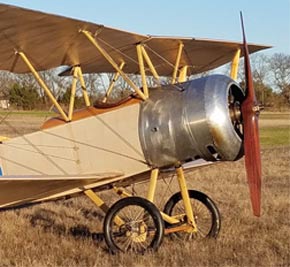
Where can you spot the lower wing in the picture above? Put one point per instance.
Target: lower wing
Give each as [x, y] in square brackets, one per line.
[24, 190]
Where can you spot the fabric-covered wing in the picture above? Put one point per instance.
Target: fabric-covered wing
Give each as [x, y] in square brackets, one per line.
[22, 190]
[51, 41]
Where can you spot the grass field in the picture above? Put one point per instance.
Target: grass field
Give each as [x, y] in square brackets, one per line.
[63, 233]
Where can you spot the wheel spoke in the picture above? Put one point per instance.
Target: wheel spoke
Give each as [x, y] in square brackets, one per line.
[205, 213]
[143, 226]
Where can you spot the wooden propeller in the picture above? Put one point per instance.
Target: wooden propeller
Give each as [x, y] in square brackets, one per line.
[250, 113]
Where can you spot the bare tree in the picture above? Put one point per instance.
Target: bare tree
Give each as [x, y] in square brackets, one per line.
[280, 69]
[261, 77]
[6, 81]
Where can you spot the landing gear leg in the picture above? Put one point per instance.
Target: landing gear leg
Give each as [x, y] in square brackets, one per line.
[206, 215]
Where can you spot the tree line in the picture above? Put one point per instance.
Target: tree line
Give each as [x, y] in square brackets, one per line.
[271, 76]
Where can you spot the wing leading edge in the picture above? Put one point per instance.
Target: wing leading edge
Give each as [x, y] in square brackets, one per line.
[51, 41]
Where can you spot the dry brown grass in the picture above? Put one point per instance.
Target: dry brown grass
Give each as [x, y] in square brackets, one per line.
[63, 233]
[13, 124]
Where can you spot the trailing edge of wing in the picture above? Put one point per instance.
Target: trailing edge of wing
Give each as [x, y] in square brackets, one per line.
[51, 41]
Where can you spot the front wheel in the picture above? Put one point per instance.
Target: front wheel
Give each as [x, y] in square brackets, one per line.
[133, 224]
[206, 215]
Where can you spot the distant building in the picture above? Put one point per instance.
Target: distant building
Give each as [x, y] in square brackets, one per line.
[4, 103]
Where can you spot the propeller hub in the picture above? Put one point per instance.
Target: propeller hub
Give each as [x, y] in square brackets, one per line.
[257, 109]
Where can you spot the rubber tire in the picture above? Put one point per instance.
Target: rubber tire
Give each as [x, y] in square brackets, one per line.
[131, 201]
[206, 201]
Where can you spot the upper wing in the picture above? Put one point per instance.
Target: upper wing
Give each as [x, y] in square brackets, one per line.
[22, 190]
[51, 41]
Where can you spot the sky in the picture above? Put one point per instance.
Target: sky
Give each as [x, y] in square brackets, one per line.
[266, 21]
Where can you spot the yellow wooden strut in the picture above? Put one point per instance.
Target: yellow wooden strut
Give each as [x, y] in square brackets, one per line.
[83, 85]
[97, 200]
[152, 184]
[77, 75]
[101, 204]
[235, 65]
[183, 74]
[113, 63]
[72, 94]
[43, 85]
[177, 62]
[149, 63]
[185, 197]
[142, 69]
[4, 138]
[112, 83]
[121, 192]
[169, 219]
[151, 192]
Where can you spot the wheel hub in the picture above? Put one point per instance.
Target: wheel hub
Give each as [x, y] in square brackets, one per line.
[136, 231]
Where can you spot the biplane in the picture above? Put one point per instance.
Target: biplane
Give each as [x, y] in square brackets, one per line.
[104, 145]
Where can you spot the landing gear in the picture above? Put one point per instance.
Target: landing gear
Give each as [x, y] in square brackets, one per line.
[206, 215]
[133, 224]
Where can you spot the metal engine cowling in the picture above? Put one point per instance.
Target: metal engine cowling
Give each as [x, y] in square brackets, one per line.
[196, 119]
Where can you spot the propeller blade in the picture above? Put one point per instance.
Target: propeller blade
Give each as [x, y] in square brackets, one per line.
[250, 113]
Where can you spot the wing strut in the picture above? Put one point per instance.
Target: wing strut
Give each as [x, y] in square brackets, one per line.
[77, 75]
[235, 65]
[112, 83]
[142, 55]
[113, 63]
[149, 63]
[43, 85]
[177, 63]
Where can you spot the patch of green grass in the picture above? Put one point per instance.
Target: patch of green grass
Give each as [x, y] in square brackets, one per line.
[275, 116]
[274, 136]
[30, 113]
